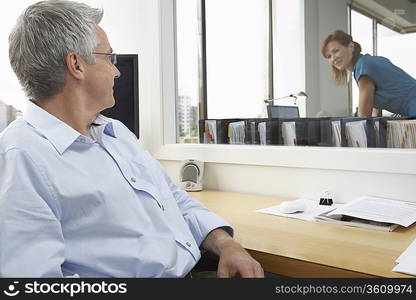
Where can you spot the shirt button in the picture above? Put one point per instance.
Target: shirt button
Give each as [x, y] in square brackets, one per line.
[188, 244]
[82, 139]
[133, 179]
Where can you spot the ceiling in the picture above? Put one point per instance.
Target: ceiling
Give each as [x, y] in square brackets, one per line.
[399, 15]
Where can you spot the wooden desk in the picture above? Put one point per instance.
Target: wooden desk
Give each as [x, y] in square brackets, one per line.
[297, 248]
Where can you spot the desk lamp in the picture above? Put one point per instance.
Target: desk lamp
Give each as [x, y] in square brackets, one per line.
[295, 96]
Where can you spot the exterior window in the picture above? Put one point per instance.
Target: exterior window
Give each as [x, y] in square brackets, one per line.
[362, 33]
[237, 57]
[395, 46]
[188, 58]
[377, 39]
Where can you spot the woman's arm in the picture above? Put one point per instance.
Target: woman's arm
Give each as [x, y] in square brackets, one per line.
[376, 112]
[366, 102]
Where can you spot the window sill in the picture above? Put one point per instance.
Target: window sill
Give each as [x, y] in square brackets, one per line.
[349, 159]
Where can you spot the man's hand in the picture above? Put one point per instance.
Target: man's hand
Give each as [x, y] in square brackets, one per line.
[234, 259]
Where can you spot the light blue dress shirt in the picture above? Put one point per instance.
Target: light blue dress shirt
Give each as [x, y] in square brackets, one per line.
[395, 90]
[73, 206]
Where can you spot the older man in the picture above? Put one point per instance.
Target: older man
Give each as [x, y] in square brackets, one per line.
[79, 197]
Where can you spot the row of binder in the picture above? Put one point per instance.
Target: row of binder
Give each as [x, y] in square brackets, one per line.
[380, 132]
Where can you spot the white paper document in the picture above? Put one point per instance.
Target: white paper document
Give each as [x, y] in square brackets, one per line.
[289, 133]
[336, 133]
[262, 133]
[357, 137]
[210, 135]
[236, 132]
[379, 210]
[406, 262]
[312, 210]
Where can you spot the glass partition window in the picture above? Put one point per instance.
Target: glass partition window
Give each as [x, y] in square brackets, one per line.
[230, 57]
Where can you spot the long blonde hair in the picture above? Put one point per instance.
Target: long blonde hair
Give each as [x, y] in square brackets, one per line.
[341, 77]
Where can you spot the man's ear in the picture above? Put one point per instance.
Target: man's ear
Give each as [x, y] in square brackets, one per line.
[75, 66]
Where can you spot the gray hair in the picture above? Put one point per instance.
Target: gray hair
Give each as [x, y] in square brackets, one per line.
[45, 33]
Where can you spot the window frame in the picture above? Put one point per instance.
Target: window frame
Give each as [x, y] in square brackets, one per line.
[374, 29]
[164, 147]
[203, 101]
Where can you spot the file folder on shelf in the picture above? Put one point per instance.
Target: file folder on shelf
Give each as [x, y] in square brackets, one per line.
[383, 129]
[355, 132]
[237, 132]
[288, 130]
[268, 130]
[309, 132]
[252, 130]
[401, 134]
[379, 132]
[302, 132]
[215, 131]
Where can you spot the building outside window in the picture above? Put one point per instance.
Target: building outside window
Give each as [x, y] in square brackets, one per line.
[7, 114]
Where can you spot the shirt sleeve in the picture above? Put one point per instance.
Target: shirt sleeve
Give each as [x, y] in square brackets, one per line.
[366, 66]
[31, 239]
[200, 220]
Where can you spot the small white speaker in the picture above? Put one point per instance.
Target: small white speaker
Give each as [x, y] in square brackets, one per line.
[191, 175]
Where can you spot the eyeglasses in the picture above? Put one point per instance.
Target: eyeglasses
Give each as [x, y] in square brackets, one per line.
[112, 56]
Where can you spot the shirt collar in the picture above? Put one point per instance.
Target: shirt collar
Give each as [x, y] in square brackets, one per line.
[107, 123]
[60, 134]
[359, 57]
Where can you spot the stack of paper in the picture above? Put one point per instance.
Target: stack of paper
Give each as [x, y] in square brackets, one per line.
[401, 134]
[406, 262]
[210, 134]
[373, 213]
[236, 132]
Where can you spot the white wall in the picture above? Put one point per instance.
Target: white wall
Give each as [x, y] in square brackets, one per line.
[332, 16]
[302, 182]
[10, 90]
[322, 17]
